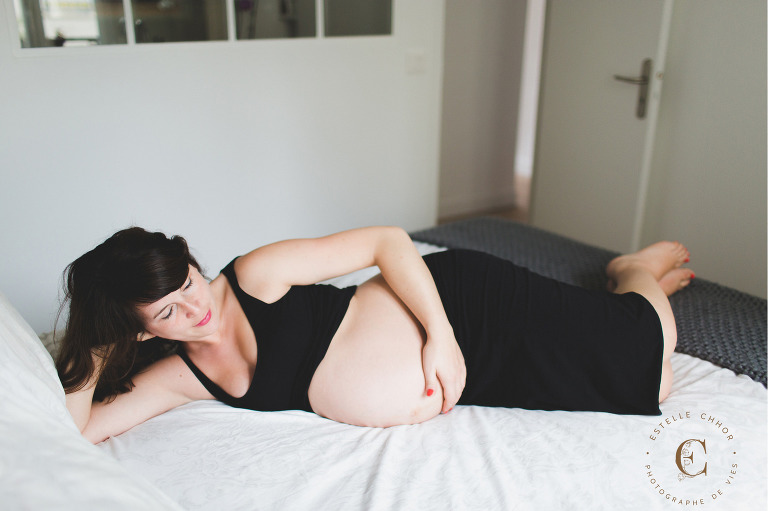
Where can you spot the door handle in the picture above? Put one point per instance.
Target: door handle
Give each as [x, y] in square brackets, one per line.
[635, 81]
[643, 81]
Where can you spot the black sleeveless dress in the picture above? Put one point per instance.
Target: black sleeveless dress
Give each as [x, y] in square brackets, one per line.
[533, 342]
[528, 341]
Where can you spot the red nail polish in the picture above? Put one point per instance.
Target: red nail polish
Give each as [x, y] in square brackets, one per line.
[693, 275]
[687, 259]
[430, 392]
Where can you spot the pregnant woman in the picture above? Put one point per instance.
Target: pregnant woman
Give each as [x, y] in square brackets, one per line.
[146, 332]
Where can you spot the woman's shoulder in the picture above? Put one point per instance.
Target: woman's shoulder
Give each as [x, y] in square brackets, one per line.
[252, 273]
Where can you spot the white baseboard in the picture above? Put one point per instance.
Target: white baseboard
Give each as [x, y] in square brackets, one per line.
[464, 204]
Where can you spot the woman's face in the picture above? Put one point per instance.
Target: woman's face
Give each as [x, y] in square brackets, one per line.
[187, 314]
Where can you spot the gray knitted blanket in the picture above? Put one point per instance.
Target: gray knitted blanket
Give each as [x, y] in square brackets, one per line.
[714, 322]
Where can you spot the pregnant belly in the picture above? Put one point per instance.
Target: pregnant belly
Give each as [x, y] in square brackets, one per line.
[372, 373]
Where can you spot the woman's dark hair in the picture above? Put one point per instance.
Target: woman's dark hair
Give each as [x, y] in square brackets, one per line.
[104, 288]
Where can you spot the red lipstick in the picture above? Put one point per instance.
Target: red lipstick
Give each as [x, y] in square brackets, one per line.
[205, 320]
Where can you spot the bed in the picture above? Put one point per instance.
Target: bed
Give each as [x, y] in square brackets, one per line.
[707, 448]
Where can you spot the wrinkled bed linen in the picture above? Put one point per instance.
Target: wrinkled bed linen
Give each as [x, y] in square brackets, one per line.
[206, 455]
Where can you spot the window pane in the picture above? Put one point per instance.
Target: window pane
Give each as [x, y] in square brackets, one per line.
[353, 17]
[274, 19]
[163, 21]
[70, 23]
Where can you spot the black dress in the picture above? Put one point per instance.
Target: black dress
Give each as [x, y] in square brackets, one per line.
[533, 342]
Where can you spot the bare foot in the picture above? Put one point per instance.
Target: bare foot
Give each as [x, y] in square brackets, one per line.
[675, 280]
[672, 281]
[659, 259]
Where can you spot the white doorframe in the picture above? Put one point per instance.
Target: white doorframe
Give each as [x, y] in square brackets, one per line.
[529, 87]
[652, 112]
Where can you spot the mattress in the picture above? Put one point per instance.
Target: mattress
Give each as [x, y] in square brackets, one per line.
[707, 448]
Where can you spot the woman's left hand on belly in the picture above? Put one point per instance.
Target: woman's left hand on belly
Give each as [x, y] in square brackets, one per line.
[444, 365]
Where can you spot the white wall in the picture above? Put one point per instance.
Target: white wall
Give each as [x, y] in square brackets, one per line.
[231, 144]
[708, 183]
[483, 61]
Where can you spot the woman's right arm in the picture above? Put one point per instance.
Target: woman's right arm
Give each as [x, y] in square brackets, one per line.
[79, 402]
[166, 384]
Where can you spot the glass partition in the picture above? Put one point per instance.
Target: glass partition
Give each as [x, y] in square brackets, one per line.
[353, 17]
[52, 23]
[167, 21]
[274, 19]
[44, 23]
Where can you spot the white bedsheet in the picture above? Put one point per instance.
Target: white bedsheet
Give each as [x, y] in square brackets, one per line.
[206, 455]
[44, 461]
